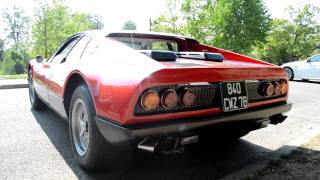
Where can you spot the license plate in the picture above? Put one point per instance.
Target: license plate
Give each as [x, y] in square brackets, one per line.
[234, 95]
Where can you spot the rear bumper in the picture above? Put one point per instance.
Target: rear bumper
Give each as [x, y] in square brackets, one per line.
[115, 133]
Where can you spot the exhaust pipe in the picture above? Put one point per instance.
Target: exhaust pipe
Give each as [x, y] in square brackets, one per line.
[167, 145]
[148, 145]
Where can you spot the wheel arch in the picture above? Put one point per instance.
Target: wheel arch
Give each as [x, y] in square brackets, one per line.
[73, 81]
[288, 67]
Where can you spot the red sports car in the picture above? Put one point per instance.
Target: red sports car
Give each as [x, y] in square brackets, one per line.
[156, 92]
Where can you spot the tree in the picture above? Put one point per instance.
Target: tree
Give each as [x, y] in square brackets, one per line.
[293, 39]
[17, 27]
[168, 22]
[47, 31]
[198, 15]
[14, 60]
[1, 50]
[96, 21]
[17, 24]
[239, 25]
[54, 23]
[129, 25]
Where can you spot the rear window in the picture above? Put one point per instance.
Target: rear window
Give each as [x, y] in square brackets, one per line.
[148, 44]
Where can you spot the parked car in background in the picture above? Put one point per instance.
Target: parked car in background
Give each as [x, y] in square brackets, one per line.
[306, 70]
[155, 92]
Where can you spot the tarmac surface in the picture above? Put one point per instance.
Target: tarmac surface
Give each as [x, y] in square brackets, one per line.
[36, 145]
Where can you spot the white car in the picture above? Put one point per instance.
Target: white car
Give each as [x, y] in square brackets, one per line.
[305, 70]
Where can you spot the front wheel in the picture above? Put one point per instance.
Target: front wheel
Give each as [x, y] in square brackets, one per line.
[290, 73]
[90, 148]
[35, 101]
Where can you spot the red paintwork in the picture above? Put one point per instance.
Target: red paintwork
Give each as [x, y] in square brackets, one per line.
[117, 75]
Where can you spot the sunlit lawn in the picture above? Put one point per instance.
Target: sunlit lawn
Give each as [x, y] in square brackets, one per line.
[16, 76]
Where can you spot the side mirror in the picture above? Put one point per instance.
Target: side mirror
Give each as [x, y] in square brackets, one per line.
[39, 59]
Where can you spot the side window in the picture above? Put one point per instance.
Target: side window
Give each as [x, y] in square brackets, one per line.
[64, 50]
[78, 49]
[315, 58]
[91, 48]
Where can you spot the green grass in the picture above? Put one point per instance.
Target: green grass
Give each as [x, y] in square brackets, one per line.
[15, 76]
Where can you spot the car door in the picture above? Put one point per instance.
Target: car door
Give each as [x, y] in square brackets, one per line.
[61, 66]
[40, 80]
[314, 67]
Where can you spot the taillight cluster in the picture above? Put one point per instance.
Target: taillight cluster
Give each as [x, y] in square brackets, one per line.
[275, 88]
[167, 98]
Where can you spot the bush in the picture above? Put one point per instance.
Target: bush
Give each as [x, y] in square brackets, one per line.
[7, 66]
[14, 61]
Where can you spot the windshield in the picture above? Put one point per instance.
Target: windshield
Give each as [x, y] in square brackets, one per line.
[148, 44]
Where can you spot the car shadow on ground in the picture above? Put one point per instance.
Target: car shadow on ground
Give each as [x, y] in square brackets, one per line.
[207, 163]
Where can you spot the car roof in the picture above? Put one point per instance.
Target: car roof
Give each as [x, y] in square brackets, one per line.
[108, 33]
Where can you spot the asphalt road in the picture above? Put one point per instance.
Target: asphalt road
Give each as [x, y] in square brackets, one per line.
[36, 145]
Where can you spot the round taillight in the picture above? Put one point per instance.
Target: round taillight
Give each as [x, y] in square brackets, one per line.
[169, 99]
[150, 100]
[267, 89]
[277, 88]
[283, 87]
[187, 97]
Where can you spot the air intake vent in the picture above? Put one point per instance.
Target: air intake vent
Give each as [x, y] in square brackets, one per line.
[160, 55]
[217, 57]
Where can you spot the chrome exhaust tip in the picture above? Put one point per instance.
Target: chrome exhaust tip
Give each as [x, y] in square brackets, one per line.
[167, 145]
[148, 145]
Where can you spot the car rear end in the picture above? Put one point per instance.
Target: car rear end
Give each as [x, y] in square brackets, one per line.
[173, 106]
[198, 91]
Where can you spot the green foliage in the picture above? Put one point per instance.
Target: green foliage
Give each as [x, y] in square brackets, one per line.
[129, 25]
[198, 15]
[95, 21]
[54, 23]
[14, 60]
[292, 40]
[239, 25]
[168, 22]
[235, 25]
[1, 50]
[17, 76]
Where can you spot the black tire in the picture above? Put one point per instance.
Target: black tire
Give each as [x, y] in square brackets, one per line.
[290, 73]
[99, 154]
[36, 102]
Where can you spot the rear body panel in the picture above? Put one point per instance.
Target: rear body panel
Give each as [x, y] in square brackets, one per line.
[179, 72]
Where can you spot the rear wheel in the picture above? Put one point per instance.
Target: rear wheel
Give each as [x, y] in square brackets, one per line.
[36, 102]
[90, 148]
[290, 73]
